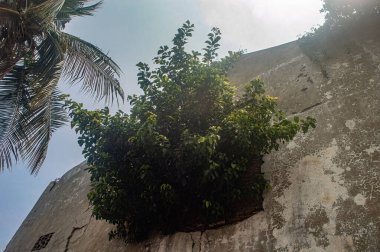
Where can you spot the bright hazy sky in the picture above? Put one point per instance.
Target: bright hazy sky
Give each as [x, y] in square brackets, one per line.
[132, 31]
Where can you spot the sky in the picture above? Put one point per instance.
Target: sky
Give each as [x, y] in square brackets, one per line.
[131, 31]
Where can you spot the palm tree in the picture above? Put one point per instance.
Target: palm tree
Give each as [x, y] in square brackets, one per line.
[34, 53]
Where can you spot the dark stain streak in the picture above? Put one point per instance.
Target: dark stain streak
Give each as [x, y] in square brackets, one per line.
[324, 72]
[304, 89]
[301, 75]
[312, 106]
[54, 183]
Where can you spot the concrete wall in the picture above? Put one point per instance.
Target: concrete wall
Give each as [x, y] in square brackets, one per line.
[325, 186]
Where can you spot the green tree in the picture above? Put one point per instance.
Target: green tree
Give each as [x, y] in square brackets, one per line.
[340, 12]
[345, 13]
[34, 53]
[186, 143]
[343, 19]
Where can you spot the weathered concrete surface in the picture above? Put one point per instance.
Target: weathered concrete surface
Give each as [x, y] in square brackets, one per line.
[325, 186]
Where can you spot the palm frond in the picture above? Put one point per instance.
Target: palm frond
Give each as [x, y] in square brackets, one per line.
[33, 55]
[97, 71]
[11, 29]
[46, 10]
[33, 118]
[9, 16]
[46, 112]
[10, 3]
[9, 59]
[14, 103]
[28, 116]
[45, 115]
[75, 8]
[42, 122]
[47, 56]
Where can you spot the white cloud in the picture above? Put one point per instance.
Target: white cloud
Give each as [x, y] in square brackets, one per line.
[258, 24]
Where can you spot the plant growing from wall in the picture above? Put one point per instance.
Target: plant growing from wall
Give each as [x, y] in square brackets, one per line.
[339, 12]
[185, 144]
[342, 17]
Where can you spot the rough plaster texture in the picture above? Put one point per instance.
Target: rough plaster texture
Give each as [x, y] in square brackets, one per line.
[325, 187]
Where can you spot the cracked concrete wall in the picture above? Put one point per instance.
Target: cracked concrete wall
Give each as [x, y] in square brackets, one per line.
[325, 187]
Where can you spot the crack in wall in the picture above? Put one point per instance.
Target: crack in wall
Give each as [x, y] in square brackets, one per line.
[88, 208]
[72, 234]
[200, 240]
[192, 239]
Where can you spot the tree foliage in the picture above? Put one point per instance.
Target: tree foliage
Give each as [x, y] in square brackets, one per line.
[185, 144]
[34, 53]
[344, 15]
[344, 19]
[340, 11]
